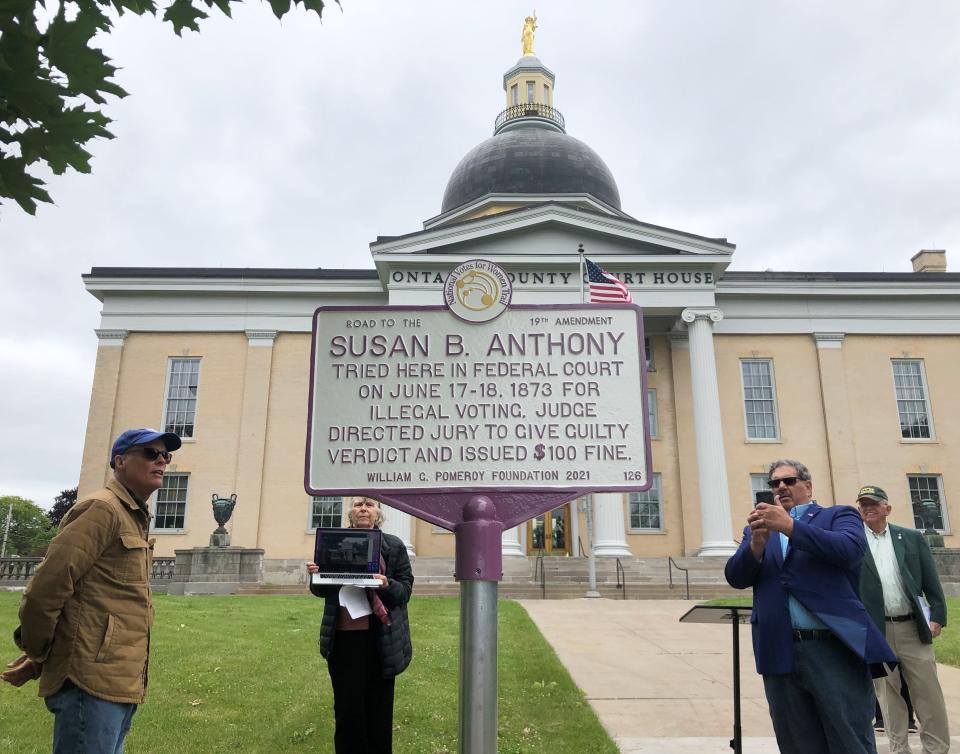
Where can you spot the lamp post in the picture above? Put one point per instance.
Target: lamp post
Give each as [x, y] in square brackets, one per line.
[591, 556]
[6, 531]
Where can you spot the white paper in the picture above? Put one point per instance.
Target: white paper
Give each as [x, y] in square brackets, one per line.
[354, 598]
[925, 606]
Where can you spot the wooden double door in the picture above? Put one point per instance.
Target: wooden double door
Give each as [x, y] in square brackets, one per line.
[550, 532]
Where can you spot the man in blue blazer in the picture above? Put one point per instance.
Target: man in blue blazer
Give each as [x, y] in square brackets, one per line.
[814, 643]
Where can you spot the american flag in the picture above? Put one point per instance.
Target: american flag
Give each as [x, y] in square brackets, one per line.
[604, 287]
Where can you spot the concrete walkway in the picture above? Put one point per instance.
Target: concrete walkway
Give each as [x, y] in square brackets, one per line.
[664, 687]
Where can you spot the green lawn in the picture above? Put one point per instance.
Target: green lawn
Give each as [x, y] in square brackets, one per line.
[947, 646]
[243, 674]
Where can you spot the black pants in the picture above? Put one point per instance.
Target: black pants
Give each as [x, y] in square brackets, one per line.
[362, 697]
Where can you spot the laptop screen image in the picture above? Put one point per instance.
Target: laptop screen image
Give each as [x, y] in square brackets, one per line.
[348, 551]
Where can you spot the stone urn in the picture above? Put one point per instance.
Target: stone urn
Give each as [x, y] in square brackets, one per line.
[928, 511]
[222, 510]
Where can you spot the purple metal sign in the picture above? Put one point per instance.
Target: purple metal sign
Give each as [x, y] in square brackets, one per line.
[426, 413]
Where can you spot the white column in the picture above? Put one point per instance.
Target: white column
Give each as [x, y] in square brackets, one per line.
[397, 522]
[510, 540]
[716, 531]
[609, 529]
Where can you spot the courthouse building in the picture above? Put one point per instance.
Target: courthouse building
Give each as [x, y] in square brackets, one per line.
[852, 373]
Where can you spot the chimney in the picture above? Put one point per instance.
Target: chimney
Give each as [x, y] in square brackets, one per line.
[930, 260]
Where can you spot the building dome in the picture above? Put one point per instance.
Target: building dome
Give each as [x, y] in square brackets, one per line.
[530, 161]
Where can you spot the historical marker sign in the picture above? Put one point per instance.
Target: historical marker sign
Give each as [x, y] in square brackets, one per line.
[408, 401]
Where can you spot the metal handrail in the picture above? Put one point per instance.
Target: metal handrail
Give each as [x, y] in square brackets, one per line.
[538, 566]
[580, 549]
[623, 584]
[529, 110]
[671, 564]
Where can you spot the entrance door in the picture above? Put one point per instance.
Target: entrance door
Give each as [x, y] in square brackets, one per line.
[550, 532]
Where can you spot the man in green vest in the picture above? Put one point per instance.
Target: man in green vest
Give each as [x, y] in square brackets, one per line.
[901, 590]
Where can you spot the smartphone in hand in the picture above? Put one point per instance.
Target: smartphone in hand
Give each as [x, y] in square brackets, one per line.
[763, 496]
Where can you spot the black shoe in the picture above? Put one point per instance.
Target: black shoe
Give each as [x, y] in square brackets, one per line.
[912, 728]
[878, 726]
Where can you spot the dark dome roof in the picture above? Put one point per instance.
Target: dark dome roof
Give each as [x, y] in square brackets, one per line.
[530, 161]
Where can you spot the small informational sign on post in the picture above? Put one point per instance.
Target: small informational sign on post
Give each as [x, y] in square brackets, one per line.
[542, 398]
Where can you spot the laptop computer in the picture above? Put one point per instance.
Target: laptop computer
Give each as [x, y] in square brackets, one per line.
[347, 556]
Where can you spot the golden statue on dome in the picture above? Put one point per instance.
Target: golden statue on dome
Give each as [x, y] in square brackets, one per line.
[526, 38]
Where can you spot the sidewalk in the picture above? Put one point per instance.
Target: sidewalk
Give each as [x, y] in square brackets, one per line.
[661, 686]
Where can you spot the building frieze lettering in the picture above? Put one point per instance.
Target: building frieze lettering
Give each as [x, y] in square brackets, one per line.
[643, 279]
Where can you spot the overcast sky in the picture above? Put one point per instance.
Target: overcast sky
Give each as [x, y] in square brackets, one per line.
[814, 136]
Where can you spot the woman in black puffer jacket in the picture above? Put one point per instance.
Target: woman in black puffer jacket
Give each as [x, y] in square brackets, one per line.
[364, 655]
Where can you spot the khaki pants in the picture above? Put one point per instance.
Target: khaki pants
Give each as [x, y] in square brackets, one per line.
[919, 669]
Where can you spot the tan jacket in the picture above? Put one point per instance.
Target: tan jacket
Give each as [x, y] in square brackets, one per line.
[87, 612]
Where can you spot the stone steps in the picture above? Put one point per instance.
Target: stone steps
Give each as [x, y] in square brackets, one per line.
[532, 590]
[576, 570]
[565, 578]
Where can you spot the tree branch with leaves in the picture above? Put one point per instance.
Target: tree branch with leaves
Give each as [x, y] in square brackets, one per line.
[54, 81]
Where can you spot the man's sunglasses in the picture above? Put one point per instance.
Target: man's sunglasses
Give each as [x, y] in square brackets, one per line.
[787, 480]
[152, 454]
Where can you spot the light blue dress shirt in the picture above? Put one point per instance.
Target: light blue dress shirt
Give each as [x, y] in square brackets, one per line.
[800, 617]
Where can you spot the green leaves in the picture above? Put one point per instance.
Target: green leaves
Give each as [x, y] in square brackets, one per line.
[17, 184]
[183, 15]
[280, 7]
[30, 529]
[87, 69]
[316, 6]
[52, 79]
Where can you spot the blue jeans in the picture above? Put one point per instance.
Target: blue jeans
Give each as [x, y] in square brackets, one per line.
[84, 724]
[825, 704]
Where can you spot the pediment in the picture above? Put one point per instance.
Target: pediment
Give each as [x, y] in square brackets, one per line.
[550, 230]
[541, 243]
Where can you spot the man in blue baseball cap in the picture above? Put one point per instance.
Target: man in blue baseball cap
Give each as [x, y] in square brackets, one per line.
[85, 617]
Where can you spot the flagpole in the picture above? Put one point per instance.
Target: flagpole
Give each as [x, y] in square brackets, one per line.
[588, 503]
[580, 254]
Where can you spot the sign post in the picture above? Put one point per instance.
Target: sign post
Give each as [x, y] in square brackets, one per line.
[476, 423]
[478, 568]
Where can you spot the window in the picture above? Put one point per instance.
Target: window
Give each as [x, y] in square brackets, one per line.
[927, 487]
[515, 94]
[326, 512]
[759, 399]
[181, 409]
[648, 352]
[758, 482]
[652, 413]
[645, 508]
[912, 404]
[531, 91]
[170, 508]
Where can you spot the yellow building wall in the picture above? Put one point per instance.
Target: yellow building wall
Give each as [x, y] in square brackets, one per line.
[883, 457]
[251, 430]
[799, 410]
[210, 457]
[99, 436]
[284, 520]
[664, 447]
[430, 542]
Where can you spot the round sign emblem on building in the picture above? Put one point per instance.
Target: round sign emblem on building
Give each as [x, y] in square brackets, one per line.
[477, 291]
